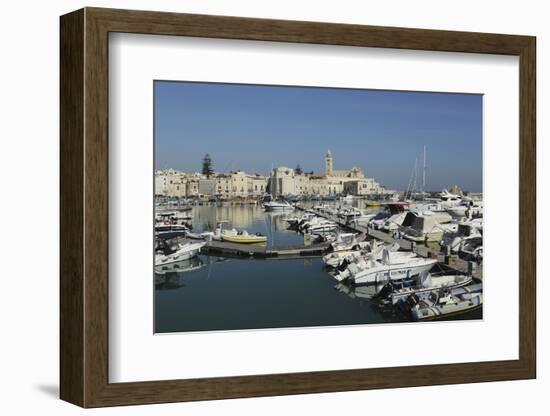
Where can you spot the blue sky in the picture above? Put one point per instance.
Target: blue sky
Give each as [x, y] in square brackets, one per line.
[255, 127]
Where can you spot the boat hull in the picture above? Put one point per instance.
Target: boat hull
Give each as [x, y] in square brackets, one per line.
[244, 239]
[391, 272]
[429, 312]
[183, 254]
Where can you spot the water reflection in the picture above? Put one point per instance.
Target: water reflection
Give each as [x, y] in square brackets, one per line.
[170, 276]
[251, 218]
[362, 292]
[208, 293]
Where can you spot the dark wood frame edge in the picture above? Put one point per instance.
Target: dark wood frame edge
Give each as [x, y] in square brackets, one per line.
[84, 207]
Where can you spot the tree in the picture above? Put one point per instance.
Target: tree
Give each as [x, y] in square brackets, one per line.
[207, 166]
[298, 170]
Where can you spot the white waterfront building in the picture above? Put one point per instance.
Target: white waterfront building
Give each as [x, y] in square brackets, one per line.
[285, 181]
[173, 183]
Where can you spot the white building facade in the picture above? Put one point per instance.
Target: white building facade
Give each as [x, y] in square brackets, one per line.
[284, 181]
[172, 183]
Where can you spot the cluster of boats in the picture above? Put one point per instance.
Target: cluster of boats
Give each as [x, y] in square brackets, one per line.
[453, 221]
[311, 223]
[400, 279]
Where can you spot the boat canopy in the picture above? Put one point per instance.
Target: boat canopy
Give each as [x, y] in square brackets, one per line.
[423, 223]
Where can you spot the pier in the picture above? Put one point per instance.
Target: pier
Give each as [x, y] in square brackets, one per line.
[225, 249]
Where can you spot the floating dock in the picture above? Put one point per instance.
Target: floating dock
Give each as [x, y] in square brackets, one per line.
[225, 249]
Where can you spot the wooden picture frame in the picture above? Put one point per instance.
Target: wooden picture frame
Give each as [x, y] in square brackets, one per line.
[84, 207]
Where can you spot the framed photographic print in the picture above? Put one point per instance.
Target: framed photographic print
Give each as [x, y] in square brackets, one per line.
[255, 207]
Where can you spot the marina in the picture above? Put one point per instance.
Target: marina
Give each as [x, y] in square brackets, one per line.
[251, 272]
[379, 221]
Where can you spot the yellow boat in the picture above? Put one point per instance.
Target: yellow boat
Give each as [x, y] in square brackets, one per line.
[242, 237]
[373, 204]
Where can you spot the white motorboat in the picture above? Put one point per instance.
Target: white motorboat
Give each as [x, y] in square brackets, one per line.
[393, 292]
[362, 220]
[466, 230]
[450, 199]
[392, 266]
[391, 218]
[278, 206]
[292, 221]
[322, 226]
[183, 252]
[394, 222]
[469, 209]
[349, 213]
[170, 231]
[339, 258]
[446, 301]
[306, 226]
[347, 242]
[472, 248]
[426, 226]
[307, 216]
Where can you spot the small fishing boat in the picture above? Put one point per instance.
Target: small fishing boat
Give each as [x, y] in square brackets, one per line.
[278, 206]
[182, 252]
[170, 231]
[392, 266]
[396, 292]
[445, 302]
[242, 237]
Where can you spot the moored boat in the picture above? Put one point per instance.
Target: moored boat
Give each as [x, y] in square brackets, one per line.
[392, 266]
[170, 231]
[395, 292]
[445, 302]
[278, 206]
[242, 237]
[426, 226]
[183, 252]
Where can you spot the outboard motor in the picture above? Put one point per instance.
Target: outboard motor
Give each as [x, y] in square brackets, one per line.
[412, 301]
[386, 290]
[343, 266]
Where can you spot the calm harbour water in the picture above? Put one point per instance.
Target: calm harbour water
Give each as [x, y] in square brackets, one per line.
[211, 293]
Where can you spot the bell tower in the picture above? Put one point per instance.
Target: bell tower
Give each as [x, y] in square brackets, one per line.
[328, 163]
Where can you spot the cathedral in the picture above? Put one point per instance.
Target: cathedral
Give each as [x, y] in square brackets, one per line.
[353, 173]
[285, 181]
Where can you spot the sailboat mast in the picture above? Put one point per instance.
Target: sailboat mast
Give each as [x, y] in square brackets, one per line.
[415, 190]
[424, 172]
